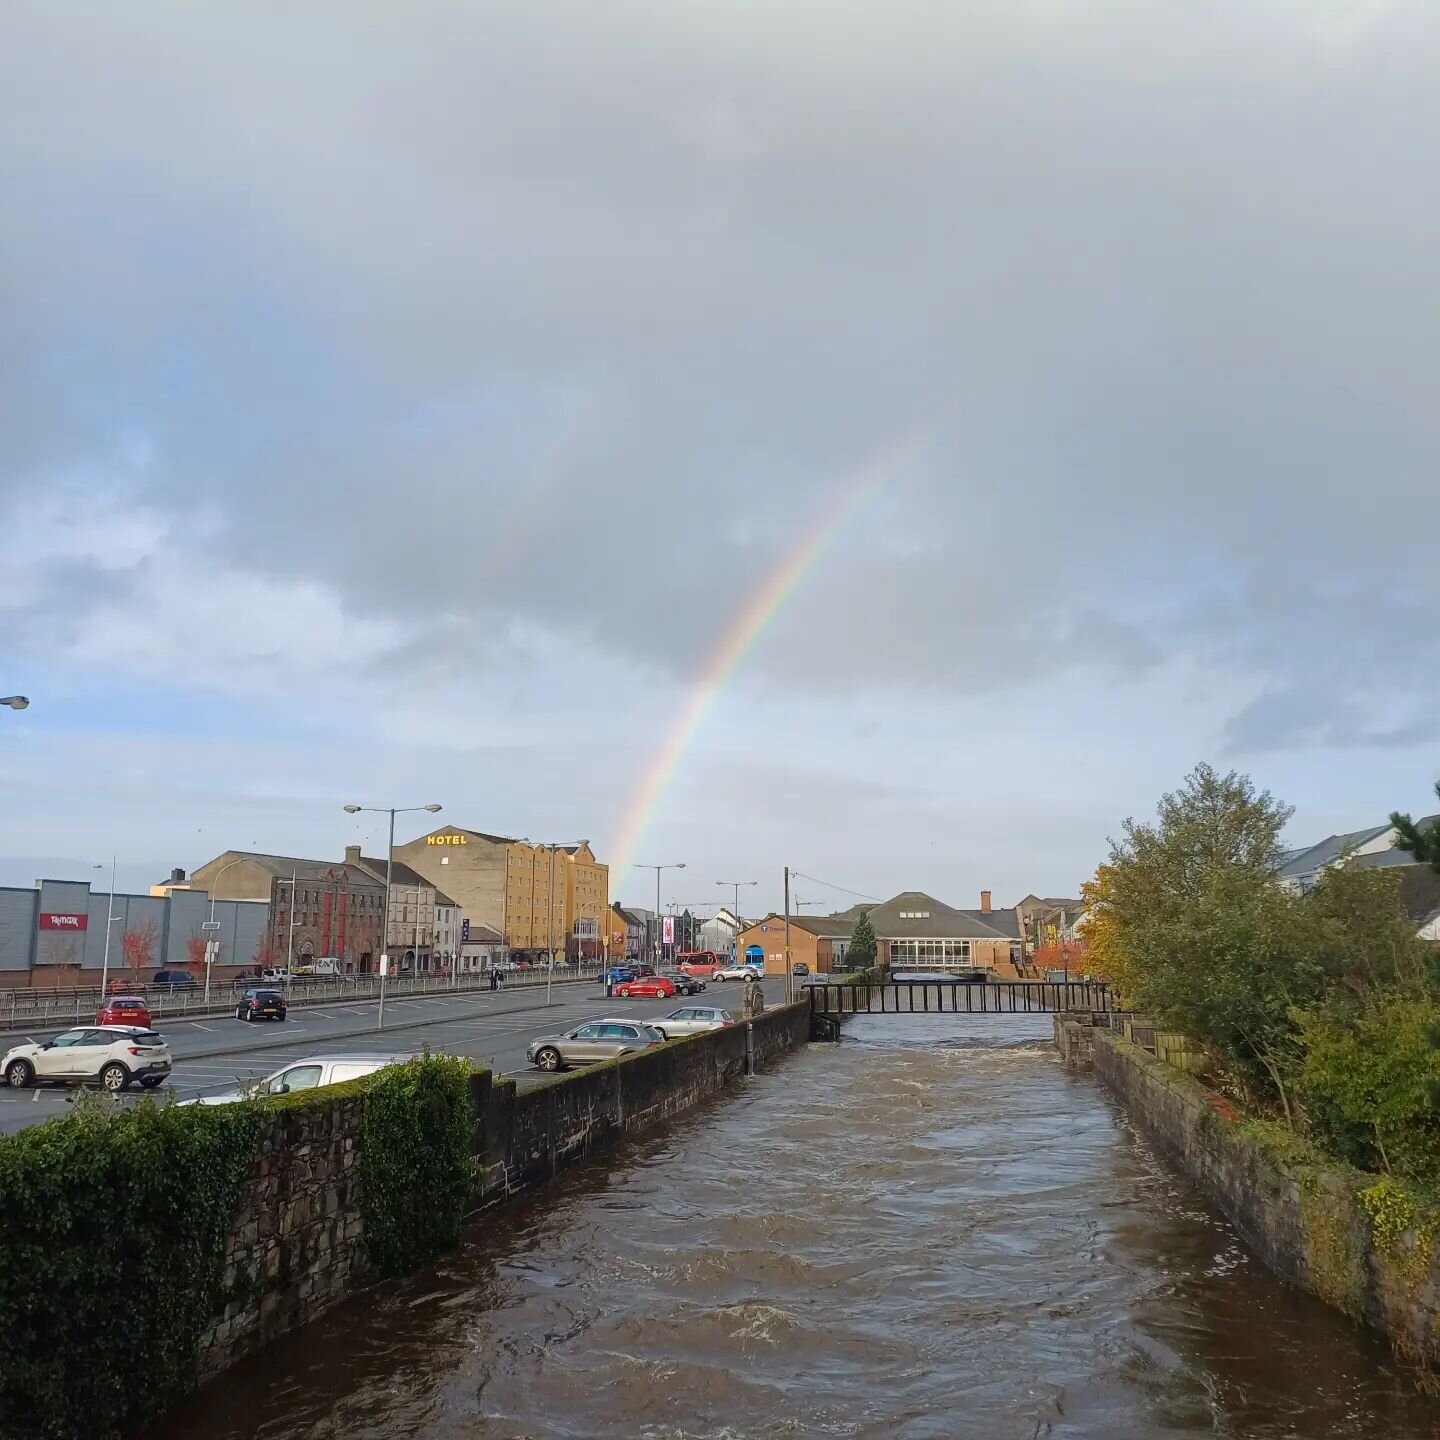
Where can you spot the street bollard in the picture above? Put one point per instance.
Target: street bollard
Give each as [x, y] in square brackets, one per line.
[749, 1048]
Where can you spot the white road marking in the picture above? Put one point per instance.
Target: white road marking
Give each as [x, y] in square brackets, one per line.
[199, 1026]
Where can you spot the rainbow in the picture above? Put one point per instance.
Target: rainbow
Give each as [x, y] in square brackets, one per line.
[760, 611]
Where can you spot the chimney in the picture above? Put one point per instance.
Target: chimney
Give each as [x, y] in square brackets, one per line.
[177, 877]
[352, 854]
[984, 902]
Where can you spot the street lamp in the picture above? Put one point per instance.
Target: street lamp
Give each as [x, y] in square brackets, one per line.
[110, 916]
[735, 885]
[16, 702]
[212, 924]
[392, 811]
[675, 865]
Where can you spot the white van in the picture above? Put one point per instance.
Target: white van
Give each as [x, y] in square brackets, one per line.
[308, 1074]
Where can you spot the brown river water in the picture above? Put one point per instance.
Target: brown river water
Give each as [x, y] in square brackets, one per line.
[929, 1230]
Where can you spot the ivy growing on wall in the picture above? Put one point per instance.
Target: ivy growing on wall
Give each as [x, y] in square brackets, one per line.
[112, 1230]
[415, 1162]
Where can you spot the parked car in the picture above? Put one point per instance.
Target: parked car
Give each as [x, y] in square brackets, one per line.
[738, 972]
[307, 1074]
[616, 974]
[110, 1055]
[171, 981]
[685, 984]
[691, 1020]
[800, 969]
[261, 1004]
[649, 987]
[594, 1040]
[124, 1010]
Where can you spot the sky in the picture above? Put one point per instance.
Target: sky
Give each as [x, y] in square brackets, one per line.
[414, 403]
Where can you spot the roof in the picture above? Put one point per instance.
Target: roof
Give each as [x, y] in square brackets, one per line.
[482, 935]
[1327, 851]
[1004, 921]
[1420, 894]
[402, 874]
[832, 927]
[282, 867]
[914, 914]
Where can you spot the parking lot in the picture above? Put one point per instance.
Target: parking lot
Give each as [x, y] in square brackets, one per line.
[490, 1029]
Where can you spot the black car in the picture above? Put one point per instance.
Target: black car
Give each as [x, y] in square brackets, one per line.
[684, 984]
[258, 1004]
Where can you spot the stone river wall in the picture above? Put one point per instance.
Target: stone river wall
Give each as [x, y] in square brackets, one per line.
[1361, 1242]
[297, 1241]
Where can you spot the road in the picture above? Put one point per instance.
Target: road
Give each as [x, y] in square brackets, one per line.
[490, 1029]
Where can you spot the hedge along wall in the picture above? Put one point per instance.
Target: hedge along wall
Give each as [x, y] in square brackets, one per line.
[1364, 1243]
[210, 1230]
[142, 1249]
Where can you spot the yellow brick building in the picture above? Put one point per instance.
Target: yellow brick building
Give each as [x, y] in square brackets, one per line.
[555, 899]
[531, 895]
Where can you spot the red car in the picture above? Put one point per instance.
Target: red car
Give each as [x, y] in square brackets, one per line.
[650, 987]
[124, 1010]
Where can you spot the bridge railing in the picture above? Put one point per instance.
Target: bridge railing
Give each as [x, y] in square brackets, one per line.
[934, 997]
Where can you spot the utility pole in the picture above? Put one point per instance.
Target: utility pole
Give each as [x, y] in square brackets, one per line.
[789, 976]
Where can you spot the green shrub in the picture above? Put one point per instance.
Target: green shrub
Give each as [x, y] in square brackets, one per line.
[112, 1234]
[1370, 1080]
[416, 1167]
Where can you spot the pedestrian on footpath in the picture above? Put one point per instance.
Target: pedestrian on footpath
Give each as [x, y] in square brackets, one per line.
[492, 979]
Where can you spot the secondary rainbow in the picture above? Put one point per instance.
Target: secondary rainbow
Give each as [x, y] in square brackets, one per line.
[761, 608]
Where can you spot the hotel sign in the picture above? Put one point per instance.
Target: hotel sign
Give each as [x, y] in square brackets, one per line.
[447, 839]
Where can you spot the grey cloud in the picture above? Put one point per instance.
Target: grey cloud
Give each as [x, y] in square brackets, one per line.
[499, 311]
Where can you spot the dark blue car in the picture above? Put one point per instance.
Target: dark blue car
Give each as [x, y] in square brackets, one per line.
[616, 974]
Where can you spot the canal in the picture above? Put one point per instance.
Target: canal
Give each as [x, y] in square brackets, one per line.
[929, 1231]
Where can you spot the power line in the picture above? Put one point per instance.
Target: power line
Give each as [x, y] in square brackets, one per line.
[815, 880]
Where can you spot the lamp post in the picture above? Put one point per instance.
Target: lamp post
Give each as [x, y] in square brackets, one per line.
[110, 916]
[675, 865]
[735, 885]
[212, 924]
[16, 702]
[392, 811]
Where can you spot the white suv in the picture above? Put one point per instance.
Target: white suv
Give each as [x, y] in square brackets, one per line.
[112, 1055]
[739, 972]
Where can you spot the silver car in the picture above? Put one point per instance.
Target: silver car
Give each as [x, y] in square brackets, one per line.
[691, 1020]
[592, 1041]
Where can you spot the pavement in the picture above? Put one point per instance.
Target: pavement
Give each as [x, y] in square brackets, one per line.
[491, 1029]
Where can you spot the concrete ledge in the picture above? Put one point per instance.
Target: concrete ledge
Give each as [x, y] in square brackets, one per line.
[1363, 1243]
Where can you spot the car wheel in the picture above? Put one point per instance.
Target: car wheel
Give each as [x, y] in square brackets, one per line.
[114, 1077]
[19, 1074]
[717, 979]
[548, 1059]
[149, 1082]
[239, 1013]
[623, 992]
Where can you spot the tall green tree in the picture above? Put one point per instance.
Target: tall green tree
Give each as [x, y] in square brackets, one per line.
[1421, 840]
[861, 953]
[1206, 939]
